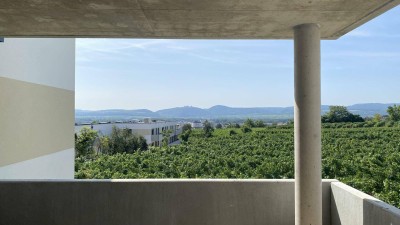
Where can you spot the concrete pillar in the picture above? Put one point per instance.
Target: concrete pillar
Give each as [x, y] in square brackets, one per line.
[307, 124]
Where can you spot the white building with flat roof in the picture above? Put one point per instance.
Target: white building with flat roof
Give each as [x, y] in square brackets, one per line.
[151, 131]
[196, 125]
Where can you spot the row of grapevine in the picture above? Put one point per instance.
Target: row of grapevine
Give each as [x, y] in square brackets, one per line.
[365, 158]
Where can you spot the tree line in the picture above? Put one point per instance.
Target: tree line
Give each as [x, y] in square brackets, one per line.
[89, 142]
[340, 114]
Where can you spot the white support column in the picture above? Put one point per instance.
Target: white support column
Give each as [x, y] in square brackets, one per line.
[307, 125]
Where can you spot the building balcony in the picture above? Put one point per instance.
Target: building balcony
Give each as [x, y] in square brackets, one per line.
[37, 84]
[181, 201]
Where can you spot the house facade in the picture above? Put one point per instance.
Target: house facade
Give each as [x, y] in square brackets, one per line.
[151, 131]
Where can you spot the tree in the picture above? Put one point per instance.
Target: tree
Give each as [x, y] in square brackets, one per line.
[339, 114]
[123, 140]
[105, 145]
[218, 126]
[186, 131]
[394, 113]
[259, 123]
[166, 135]
[249, 123]
[377, 118]
[207, 129]
[186, 127]
[185, 136]
[84, 142]
[246, 129]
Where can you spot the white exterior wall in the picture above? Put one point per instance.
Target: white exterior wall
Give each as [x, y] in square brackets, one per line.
[37, 84]
[105, 129]
[58, 165]
[196, 125]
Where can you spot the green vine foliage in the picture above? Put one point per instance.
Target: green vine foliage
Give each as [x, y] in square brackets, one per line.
[367, 158]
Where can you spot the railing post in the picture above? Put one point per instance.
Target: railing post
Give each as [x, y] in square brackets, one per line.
[307, 124]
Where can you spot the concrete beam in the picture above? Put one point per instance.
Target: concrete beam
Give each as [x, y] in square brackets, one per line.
[207, 19]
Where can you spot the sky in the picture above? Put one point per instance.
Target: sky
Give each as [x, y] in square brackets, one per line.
[361, 67]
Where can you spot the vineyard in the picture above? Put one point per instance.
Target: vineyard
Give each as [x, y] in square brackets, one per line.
[367, 158]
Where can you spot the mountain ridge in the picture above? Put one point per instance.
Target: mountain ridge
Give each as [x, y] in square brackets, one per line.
[221, 111]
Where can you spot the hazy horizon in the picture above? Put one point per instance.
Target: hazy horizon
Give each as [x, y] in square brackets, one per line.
[232, 106]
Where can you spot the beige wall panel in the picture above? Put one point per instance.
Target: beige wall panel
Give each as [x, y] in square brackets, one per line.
[35, 120]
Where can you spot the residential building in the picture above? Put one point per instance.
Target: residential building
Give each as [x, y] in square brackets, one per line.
[152, 131]
[197, 124]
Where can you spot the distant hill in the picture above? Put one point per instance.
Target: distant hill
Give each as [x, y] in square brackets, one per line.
[183, 112]
[369, 109]
[220, 111]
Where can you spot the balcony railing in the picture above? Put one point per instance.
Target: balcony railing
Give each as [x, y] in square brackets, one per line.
[183, 201]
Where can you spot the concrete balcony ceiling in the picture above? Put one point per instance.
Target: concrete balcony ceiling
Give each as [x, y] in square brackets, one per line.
[205, 19]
